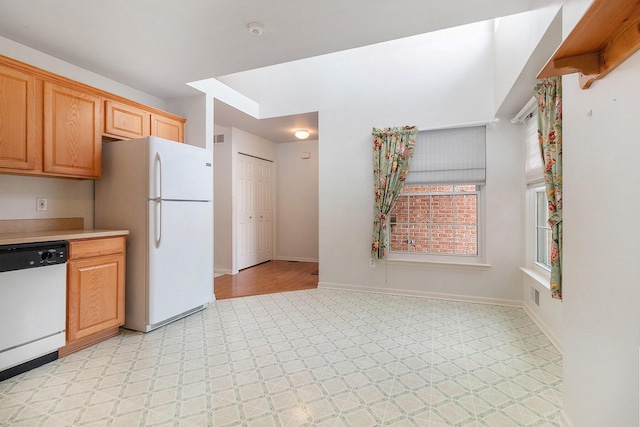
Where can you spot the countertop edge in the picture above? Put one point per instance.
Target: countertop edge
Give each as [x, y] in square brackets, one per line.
[50, 235]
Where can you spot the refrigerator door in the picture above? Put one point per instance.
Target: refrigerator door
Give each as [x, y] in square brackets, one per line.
[179, 171]
[180, 258]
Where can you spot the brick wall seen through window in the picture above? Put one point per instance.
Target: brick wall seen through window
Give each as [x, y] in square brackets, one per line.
[438, 219]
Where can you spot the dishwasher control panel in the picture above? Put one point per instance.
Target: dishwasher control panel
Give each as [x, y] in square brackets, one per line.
[31, 255]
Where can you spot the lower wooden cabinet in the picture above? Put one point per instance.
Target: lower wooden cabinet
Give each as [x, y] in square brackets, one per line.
[95, 291]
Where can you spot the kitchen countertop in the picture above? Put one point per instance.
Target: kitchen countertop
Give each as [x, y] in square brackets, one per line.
[50, 235]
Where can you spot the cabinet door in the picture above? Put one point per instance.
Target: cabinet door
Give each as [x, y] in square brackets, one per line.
[121, 120]
[18, 147]
[72, 132]
[167, 128]
[95, 295]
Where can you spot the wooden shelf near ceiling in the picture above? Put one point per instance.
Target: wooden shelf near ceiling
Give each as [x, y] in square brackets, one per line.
[607, 34]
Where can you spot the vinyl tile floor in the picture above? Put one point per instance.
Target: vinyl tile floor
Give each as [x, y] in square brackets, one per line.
[314, 357]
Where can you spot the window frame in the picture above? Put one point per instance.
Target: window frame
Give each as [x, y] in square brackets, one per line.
[539, 191]
[440, 258]
[535, 186]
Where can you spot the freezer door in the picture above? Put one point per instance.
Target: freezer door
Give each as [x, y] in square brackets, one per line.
[179, 171]
[180, 258]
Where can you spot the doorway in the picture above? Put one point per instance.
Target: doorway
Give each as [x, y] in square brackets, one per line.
[255, 211]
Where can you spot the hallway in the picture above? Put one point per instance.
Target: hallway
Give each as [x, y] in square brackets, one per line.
[267, 278]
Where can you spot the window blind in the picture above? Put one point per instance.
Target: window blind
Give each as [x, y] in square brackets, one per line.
[533, 163]
[449, 156]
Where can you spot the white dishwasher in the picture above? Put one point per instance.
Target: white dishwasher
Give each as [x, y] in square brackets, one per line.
[33, 283]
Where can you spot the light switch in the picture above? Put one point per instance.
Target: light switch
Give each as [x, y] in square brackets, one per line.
[306, 155]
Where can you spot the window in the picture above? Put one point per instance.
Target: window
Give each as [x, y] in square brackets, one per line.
[543, 231]
[539, 232]
[438, 219]
[438, 211]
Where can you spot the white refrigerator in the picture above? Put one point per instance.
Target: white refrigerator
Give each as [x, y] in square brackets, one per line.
[162, 192]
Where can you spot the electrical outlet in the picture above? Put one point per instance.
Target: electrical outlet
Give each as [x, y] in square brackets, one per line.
[41, 203]
[372, 262]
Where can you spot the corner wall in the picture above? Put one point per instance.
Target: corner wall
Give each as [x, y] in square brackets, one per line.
[297, 201]
[601, 305]
[433, 80]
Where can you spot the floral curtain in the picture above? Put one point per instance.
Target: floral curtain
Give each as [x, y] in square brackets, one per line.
[392, 153]
[549, 95]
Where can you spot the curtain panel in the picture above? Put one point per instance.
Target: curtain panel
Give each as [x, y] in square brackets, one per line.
[549, 95]
[392, 153]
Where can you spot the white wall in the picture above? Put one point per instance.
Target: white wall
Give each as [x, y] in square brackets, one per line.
[297, 201]
[38, 59]
[223, 203]
[548, 313]
[523, 44]
[432, 80]
[199, 110]
[601, 306]
[66, 198]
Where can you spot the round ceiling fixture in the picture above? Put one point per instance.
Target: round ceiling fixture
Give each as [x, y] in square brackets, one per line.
[255, 28]
[301, 134]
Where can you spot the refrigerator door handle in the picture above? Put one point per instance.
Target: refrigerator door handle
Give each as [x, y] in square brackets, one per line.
[158, 200]
[158, 226]
[158, 176]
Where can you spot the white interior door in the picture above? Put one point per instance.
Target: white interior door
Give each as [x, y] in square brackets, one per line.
[263, 199]
[254, 211]
[245, 212]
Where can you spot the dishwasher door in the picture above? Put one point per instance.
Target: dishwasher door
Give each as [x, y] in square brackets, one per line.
[32, 313]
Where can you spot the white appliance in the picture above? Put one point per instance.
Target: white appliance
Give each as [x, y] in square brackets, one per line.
[162, 192]
[33, 305]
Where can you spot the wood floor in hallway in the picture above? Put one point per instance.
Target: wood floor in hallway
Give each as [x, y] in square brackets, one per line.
[267, 278]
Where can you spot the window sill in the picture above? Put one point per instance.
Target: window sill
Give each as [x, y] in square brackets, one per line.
[430, 262]
[538, 277]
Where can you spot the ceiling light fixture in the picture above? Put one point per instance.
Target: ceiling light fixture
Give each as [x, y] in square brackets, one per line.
[255, 28]
[302, 134]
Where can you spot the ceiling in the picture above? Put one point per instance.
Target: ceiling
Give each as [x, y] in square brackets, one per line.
[277, 129]
[157, 46]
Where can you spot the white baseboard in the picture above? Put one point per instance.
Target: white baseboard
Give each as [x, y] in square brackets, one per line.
[564, 420]
[217, 273]
[285, 258]
[434, 295]
[544, 328]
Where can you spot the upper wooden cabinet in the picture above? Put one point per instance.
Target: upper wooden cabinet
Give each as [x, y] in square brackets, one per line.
[171, 128]
[18, 148]
[72, 132]
[53, 126]
[125, 121]
[128, 121]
